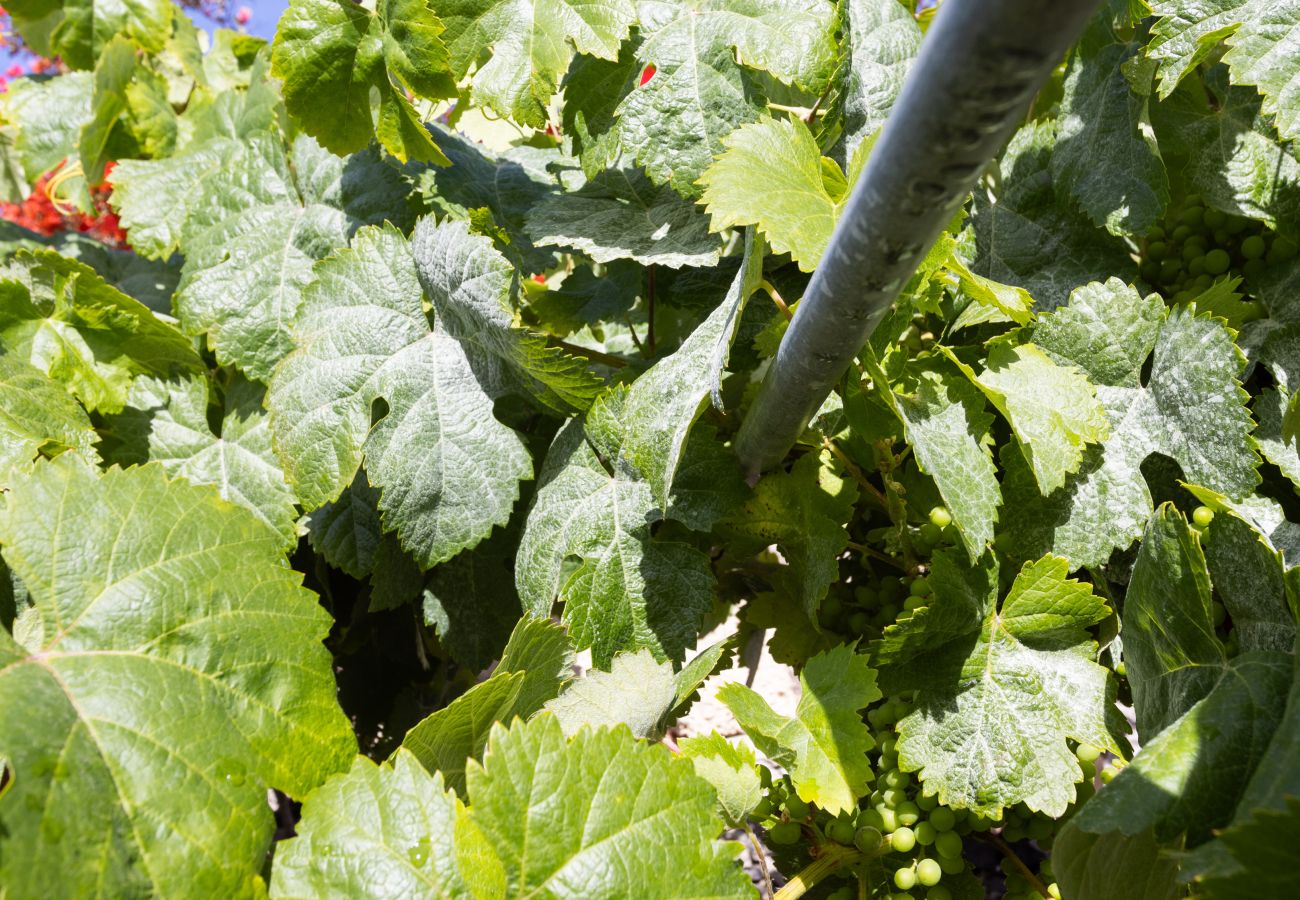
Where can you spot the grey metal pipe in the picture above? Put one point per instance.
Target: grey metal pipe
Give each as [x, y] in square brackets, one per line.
[978, 70]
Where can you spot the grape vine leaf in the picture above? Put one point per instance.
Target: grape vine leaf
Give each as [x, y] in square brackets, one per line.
[1024, 236]
[532, 46]
[824, 745]
[1053, 409]
[1106, 157]
[346, 69]
[49, 115]
[1113, 866]
[804, 512]
[1190, 409]
[607, 478]
[78, 30]
[732, 769]
[114, 71]
[385, 829]
[593, 89]
[637, 692]
[545, 816]
[1261, 849]
[37, 417]
[880, 42]
[620, 214]
[1001, 688]
[158, 705]
[60, 316]
[535, 666]
[674, 123]
[361, 337]
[1261, 40]
[803, 192]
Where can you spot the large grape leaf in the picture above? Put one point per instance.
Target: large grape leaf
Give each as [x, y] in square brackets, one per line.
[599, 814]
[364, 337]
[1190, 408]
[805, 513]
[879, 42]
[37, 417]
[49, 115]
[1024, 235]
[1224, 148]
[606, 480]
[637, 691]
[77, 30]
[171, 671]
[1262, 38]
[1262, 852]
[532, 45]
[1113, 866]
[167, 422]
[60, 316]
[1001, 688]
[620, 214]
[1106, 156]
[824, 745]
[674, 123]
[593, 89]
[346, 69]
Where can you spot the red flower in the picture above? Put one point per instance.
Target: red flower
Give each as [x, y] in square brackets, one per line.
[243, 14]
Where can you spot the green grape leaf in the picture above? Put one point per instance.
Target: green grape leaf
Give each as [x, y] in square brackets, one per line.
[471, 287]
[1025, 237]
[804, 512]
[802, 192]
[157, 699]
[396, 816]
[947, 426]
[60, 316]
[37, 418]
[78, 30]
[593, 89]
[620, 214]
[1002, 688]
[114, 70]
[1106, 156]
[880, 41]
[361, 337]
[1251, 578]
[1261, 849]
[346, 69]
[534, 668]
[637, 692]
[1053, 409]
[824, 745]
[732, 769]
[1190, 409]
[49, 115]
[674, 123]
[1112, 866]
[1186, 34]
[1222, 146]
[532, 47]
[167, 422]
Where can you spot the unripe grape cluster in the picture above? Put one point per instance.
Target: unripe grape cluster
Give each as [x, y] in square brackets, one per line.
[1197, 246]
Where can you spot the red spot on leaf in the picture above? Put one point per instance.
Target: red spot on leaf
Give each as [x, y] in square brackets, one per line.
[648, 72]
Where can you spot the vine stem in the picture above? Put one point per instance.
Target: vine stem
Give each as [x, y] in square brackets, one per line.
[832, 859]
[761, 855]
[979, 68]
[1006, 850]
[856, 472]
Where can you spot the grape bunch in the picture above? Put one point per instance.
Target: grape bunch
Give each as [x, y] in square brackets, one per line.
[1197, 246]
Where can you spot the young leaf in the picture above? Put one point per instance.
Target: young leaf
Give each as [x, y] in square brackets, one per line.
[37, 416]
[363, 337]
[77, 30]
[157, 699]
[825, 744]
[636, 691]
[346, 69]
[731, 769]
[1001, 688]
[49, 115]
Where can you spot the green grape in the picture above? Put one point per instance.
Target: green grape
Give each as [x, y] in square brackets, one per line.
[1040, 829]
[908, 812]
[1283, 249]
[943, 819]
[1193, 249]
[903, 839]
[1196, 265]
[927, 802]
[1055, 890]
[931, 533]
[1217, 261]
[938, 892]
[868, 839]
[784, 833]
[894, 798]
[842, 893]
[920, 587]
[1192, 217]
[928, 872]
[1181, 232]
[1253, 247]
[1170, 269]
[925, 833]
[901, 896]
[951, 865]
[1203, 516]
[797, 808]
[888, 747]
[888, 818]
[948, 843]
[896, 778]
[905, 878]
[840, 831]
[1157, 250]
[1108, 774]
[1087, 753]
[1151, 270]
[869, 818]
[763, 809]
[1215, 218]
[1155, 233]
[1222, 238]
[940, 517]
[1218, 613]
[912, 604]
[830, 608]
[858, 622]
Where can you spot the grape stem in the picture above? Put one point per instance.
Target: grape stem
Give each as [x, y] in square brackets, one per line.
[761, 855]
[1034, 881]
[832, 859]
[858, 476]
